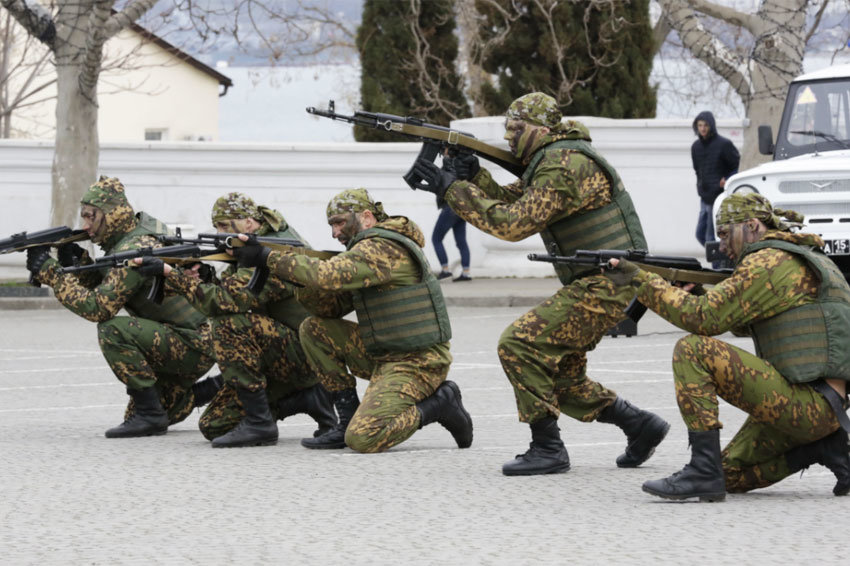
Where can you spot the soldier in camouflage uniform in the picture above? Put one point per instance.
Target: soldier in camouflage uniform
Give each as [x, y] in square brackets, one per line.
[400, 341]
[255, 338]
[160, 350]
[575, 200]
[795, 303]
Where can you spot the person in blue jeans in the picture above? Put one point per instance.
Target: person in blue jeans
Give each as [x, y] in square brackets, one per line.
[449, 220]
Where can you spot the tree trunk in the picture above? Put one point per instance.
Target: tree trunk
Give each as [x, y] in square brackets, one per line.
[76, 152]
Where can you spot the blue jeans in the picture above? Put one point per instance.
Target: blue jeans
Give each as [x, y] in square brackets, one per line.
[705, 224]
[449, 220]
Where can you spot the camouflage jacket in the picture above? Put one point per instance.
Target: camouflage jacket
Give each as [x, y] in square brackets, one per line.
[764, 284]
[99, 299]
[230, 295]
[565, 182]
[370, 262]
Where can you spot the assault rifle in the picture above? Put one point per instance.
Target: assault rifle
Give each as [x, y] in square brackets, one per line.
[436, 139]
[171, 254]
[676, 269]
[222, 241]
[53, 237]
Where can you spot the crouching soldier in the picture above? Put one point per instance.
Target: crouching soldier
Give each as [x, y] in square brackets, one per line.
[400, 342]
[255, 338]
[160, 350]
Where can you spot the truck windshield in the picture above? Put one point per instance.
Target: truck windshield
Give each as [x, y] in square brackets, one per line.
[816, 118]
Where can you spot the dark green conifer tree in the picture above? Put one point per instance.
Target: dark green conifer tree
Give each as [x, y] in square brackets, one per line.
[408, 50]
[606, 52]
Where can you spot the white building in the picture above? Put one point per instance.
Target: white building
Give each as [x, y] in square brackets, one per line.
[148, 90]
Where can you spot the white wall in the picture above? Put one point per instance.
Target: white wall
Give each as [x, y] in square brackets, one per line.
[178, 182]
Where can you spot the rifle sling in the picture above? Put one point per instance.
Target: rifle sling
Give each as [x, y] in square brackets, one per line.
[684, 275]
[453, 137]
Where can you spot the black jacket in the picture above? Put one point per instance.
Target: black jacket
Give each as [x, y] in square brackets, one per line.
[714, 158]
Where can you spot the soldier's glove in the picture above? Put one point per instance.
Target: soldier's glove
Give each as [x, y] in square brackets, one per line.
[622, 274]
[70, 254]
[36, 257]
[251, 254]
[465, 165]
[434, 179]
[151, 267]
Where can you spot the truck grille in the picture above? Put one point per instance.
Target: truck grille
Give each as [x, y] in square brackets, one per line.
[831, 209]
[823, 186]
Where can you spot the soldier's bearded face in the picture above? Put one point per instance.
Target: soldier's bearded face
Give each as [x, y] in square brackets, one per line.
[94, 222]
[236, 226]
[345, 226]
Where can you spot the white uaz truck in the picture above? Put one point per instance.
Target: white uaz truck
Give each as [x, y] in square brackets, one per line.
[810, 171]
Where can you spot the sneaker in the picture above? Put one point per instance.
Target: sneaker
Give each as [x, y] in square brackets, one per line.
[444, 274]
[462, 277]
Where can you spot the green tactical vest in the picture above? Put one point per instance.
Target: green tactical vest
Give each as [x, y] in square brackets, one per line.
[174, 310]
[403, 319]
[615, 226]
[811, 341]
[288, 311]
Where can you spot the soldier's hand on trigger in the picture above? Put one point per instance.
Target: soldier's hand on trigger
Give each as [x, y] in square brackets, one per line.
[466, 165]
[437, 180]
[620, 271]
[152, 267]
[252, 254]
[70, 254]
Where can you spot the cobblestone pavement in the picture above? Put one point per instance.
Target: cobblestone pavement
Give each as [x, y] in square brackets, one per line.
[71, 496]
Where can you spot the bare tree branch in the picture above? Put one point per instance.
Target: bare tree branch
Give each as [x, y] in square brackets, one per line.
[131, 12]
[816, 23]
[93, 56]
[706, 47]
[34, 18]
[661, 30]
[751, 22]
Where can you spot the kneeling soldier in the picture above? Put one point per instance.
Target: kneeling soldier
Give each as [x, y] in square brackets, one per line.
[400, 342]
[255, 338]
[795, 303]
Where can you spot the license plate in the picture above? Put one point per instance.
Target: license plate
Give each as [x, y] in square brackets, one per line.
[837, 247]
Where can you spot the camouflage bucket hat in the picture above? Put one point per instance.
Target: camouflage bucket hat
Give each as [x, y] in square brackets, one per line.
[234, 206]
[737, 208]
[537, 108]
[107, 194]
[355, 200]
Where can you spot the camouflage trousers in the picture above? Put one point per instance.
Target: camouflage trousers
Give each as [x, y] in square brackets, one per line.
[387, 415]
[544, 352]
[143, 353]
[782, 414]
[253, 351]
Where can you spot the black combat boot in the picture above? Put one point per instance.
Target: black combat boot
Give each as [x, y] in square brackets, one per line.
[831, 451]
[346, 403]
[702, 477]
[644, 431]
[205, 389]
[148, 418]
[546, 453]
[257, 427]
[445, 407]
[315, 401]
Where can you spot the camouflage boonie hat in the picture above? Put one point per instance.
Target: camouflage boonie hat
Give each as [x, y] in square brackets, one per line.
[737, 208]
[234, 206]
[537, 108]
[106, 194]
[355, 200]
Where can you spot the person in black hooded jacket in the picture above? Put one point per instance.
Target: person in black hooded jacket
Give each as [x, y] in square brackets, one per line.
[715, 159]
